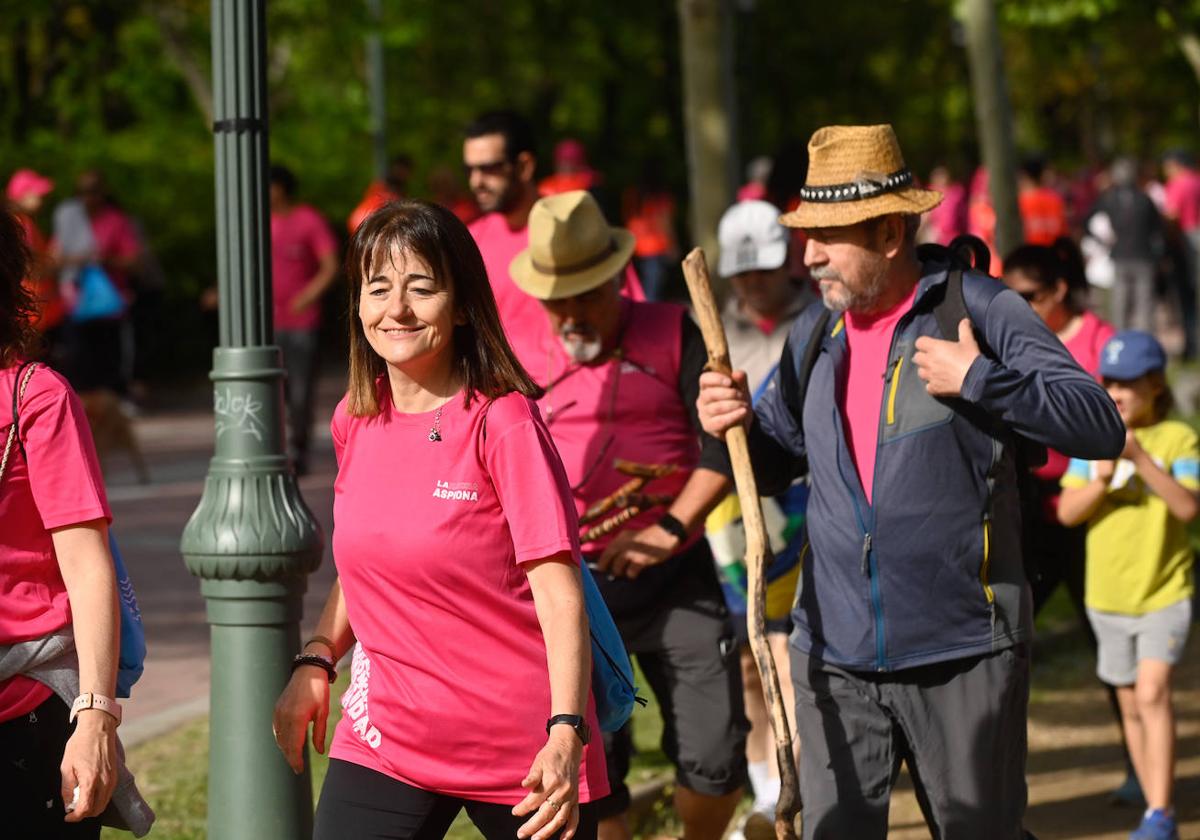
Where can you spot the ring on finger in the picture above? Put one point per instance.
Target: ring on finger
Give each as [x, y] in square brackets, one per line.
[553, 805]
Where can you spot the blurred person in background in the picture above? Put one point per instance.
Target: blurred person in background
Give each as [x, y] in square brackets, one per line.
[571, 170]
[303, 266]
[26, 193]
[393, 187]
[445, 188]
[1181, 196]
[649, 213]
[948, 219]
[765, 303]
[1136, 247]
[91, 229]
[1043, 211]
[758, 172]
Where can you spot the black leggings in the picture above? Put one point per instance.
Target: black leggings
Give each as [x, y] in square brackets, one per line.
[31, 750]
[362, 804]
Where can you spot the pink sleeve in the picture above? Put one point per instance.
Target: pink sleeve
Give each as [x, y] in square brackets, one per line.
[64, 473]
[337, 429]
[1171, 198]
[529, 479]
[320, 237]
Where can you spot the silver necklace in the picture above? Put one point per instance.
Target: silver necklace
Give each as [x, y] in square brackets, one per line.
[435, 431]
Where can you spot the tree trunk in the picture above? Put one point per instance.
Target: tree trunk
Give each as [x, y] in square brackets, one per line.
[993, 116]
[707, 124]
[175, 46]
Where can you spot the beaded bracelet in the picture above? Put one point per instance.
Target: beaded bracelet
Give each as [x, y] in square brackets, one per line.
[319, 661]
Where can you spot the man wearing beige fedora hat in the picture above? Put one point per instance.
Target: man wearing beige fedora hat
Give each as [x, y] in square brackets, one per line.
[621, 380]
[912, 616]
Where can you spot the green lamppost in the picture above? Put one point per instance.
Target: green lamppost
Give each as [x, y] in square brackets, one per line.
[251, 541]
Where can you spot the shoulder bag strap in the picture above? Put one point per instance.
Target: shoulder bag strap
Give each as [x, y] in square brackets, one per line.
[20, 383]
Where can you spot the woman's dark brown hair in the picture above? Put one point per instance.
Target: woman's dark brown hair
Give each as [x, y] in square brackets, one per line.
[18, 309]
[486, 363]
[1045, 265]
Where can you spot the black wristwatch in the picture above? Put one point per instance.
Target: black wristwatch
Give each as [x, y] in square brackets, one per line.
[575, 722]
[673, 527]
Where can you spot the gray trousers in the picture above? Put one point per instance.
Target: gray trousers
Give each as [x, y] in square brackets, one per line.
[1132, 298]
[959, 725]
[299, 348]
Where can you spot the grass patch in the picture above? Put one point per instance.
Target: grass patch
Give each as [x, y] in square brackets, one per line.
[172, 771]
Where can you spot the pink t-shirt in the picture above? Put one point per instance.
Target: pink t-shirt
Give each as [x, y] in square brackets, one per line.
[450, 689]
[1084, 347]
[299, 240]
[56, 483]
[1183, 199]
[116, 238]
[522, 316]
[869, 340]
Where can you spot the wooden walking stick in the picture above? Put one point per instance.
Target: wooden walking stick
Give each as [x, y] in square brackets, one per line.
[758, 547]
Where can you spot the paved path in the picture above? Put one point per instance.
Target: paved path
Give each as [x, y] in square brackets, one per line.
[148, 521]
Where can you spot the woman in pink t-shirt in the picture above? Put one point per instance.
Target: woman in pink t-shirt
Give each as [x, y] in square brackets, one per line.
[457, 552]
[1052, 279]
[56, 575]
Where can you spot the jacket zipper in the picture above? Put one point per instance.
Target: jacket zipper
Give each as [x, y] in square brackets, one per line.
[891, 401]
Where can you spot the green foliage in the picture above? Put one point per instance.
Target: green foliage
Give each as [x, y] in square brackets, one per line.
[122, 84]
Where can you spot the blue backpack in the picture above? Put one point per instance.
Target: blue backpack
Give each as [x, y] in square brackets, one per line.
[612, 672]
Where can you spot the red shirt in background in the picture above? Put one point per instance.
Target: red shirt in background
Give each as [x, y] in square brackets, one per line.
[1043, 214]
[1183, 199]
[450, 689]
[44, 288]
[378, 194]
[299, 240]
[56, 483]
[869, 339]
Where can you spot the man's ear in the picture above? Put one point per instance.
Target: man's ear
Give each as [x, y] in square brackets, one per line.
[526, 167]
[892, 233]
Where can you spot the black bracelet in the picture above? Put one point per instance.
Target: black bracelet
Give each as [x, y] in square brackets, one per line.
[319, 661]
[673, 527]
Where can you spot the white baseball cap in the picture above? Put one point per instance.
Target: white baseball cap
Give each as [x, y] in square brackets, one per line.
[751, 238]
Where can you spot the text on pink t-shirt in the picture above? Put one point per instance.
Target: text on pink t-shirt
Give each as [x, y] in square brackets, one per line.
[299, 240]
[450, 689]
[56, 483]
[869, 339]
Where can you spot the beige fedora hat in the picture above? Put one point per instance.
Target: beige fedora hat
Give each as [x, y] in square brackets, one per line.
[572, 249]
[855, 173]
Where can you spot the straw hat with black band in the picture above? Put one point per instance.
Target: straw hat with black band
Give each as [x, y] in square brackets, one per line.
[572, 248]
[856, 173]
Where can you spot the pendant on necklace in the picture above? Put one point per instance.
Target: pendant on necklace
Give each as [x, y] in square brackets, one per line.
[435, 432]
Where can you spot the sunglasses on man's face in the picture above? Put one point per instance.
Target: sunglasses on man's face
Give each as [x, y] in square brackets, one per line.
[495, 167]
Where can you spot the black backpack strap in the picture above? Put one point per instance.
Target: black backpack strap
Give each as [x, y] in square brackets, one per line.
[794, 383]
[952, 308]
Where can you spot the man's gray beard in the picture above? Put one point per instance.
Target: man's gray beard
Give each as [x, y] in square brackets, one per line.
[581, 351]
[863, 301]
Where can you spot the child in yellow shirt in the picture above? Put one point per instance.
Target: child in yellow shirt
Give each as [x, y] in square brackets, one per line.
[1138, 587]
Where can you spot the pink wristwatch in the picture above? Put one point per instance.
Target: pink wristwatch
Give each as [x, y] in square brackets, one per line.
[91, 700]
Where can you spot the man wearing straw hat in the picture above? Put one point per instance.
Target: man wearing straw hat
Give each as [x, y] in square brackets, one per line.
[621, 379]
[913, 616]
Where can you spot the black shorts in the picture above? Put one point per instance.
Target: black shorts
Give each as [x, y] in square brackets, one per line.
[685, 646]
[30, 784]
[358, 802]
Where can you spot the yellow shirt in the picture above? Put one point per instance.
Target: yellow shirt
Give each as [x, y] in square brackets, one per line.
[1139, 557]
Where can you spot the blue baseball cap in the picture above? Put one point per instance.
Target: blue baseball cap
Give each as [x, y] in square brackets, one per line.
[1131, 354]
